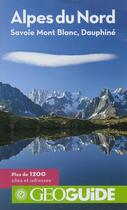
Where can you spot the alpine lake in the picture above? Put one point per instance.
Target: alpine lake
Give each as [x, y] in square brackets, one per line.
[97, 158]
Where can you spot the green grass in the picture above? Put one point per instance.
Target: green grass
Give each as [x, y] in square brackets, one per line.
[112, 123]
[14, 127]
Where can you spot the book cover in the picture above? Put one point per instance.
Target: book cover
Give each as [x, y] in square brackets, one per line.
[63, 104]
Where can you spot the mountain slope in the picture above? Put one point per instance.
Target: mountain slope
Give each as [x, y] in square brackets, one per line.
[13, 100]
[111, 104]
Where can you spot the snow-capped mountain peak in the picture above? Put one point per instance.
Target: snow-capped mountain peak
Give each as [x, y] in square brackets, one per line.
[120, 90]
[120, 96]
[64, 103]
[75, 104]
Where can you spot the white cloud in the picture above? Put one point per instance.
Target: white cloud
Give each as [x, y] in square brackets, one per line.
[52, 60]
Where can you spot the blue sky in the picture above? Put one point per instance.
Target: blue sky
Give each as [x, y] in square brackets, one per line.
[89, 78]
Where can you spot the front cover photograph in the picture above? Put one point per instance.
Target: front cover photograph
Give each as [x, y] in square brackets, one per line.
[63, 104]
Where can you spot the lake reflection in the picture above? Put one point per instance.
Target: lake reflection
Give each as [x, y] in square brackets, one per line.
[79, 143]
[105, 143]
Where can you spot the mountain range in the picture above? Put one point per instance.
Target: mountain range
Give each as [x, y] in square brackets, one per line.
[65, 103]
[108, 104]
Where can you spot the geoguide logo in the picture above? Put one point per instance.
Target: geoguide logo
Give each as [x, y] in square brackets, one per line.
[69, 194]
